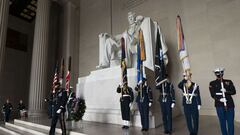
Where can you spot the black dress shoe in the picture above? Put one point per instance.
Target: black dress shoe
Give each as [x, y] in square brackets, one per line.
[166, 132]
[146, 129]
[142, 129]
[123, 127]
[126, 127]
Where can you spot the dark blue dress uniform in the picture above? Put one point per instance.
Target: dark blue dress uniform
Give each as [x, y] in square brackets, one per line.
[166, 99]
[49, 100]
[59, 102]
[225, 114]
[7, 108]
[191, 100]
[126, 98]
[143, 99]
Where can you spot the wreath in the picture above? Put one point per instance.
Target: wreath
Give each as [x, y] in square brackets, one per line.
[79, 109]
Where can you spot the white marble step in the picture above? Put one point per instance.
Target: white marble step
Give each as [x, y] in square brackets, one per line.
[6, 131]
[34, 126]
[22, 130]
[41, 128]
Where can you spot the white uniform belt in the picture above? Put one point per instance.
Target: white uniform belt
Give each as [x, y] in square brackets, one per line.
[189, 94]
[163, 94]
[219, 94]
[126, 95]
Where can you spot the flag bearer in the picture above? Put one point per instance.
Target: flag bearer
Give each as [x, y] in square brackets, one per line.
[191, 103]
[59, 102]
[126, 100]
[144, 101]
[167, 103]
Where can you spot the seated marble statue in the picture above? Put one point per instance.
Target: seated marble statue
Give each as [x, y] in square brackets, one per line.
[110, 48]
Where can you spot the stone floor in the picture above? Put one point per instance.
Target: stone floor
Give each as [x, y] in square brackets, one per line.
[208, 126]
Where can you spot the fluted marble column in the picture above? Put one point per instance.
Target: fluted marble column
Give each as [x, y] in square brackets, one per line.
[4, 11]
[39, 59]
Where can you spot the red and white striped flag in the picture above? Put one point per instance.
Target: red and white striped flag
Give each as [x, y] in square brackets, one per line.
[55, 78]
[68, 81]
[68, 75]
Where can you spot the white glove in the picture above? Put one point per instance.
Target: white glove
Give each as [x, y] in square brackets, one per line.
[130, 105]
[223, 90]
[223, 100]
[173, 105]
[59, 111]
[199, 107]
[150, 104]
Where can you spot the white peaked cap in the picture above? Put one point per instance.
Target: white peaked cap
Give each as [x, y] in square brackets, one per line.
[220, 69]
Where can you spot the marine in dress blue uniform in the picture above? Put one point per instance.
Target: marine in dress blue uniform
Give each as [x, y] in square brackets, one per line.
[167, 102]
[191, 103]
[221, 91]
[144, 101]
[125, 101]
[59, 102]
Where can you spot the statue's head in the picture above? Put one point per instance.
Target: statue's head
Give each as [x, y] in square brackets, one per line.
[131, 17]
[139, 19]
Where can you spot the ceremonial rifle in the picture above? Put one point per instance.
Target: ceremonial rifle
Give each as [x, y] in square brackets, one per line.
[223, 92]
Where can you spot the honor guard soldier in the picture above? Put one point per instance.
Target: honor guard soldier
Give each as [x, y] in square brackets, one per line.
[49, 101]
[59, 102]
[221, 91]
[191, 103]
[167, 103]
[125, 101]
[144, 101]
[7, 109]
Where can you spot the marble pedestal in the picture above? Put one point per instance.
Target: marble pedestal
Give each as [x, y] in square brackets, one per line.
[102, 101]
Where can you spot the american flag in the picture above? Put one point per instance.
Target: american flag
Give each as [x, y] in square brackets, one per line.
[55, 78]
[67, 81]
[68, 76]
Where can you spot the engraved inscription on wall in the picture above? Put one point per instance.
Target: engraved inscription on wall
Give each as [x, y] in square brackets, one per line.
[129, 4]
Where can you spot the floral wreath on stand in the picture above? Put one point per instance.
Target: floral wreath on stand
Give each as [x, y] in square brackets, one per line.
[79, 110]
